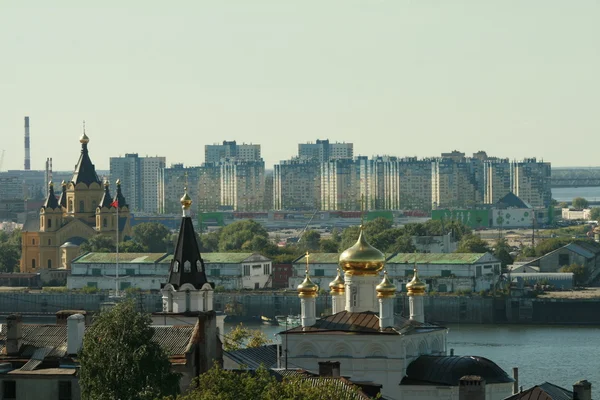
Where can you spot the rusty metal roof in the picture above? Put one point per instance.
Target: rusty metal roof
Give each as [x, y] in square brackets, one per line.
[343, 385]
[545, 391]
[173, 339]
[366, 322]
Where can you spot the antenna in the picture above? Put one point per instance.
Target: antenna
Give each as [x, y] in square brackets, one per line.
[307, 255]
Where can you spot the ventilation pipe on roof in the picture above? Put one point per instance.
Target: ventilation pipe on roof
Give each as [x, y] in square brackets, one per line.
[516, 378]
[75, 331]
[471, 388]
[14, 334]
[582, 390]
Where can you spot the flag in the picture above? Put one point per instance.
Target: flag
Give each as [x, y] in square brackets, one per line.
[115, 203]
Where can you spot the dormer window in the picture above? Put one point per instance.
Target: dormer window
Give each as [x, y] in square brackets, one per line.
[187, 266]
[199, 266]
[176, 266]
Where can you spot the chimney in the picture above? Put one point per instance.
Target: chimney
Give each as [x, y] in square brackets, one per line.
[471, 387]
[75, 331]
[27, 150]
[582, 390]
[516, 378]
[329, 369]
[14, 334]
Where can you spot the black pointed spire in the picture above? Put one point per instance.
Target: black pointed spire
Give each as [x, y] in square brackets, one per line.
[106, 199]
[187, 265]
[62, 200]
[119, 198]
[51, 201]
[85, 172]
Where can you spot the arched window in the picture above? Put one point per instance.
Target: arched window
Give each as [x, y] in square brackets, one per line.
[105, 222]
[93, 204]
[41, 222]
[70, 208]
[49, 263]
[49, 242]
[81, 206]
[33, 263]
[49, 222]
[33, 241]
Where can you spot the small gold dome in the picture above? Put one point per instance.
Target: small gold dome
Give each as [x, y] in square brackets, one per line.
[106, 183]
[84, 139]
[51, 184]
[307, 288]
[337, 285]
[186, 201]
[362, 258]
[416, 287]
[63, 184]
[386, 288]
[118, 182]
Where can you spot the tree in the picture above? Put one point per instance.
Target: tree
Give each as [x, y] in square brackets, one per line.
[209, 242]
[152, 235]
[472, 244]
[310, 241]
[502, 252]
[119, 360]
[221, 384]
[404, 244]
[131, 246]
[580, 273]
[328, 246]
[563, 204]
[9, 257]
[595, 214]
[580, 203]
[233, 237]
[99, 244]
[241, 337]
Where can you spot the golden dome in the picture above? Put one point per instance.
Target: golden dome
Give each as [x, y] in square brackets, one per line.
[118, 182]
[362, 258]
[386, 288]
[186, 200]
[307, 288]
[416, 287]
[106, 183]
[51, 184]
[84, 139]
[337, 285]
[63, 184]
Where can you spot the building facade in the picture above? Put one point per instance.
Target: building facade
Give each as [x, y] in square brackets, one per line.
[531, 182]
[214, 153]
[297, 185]
[323, 151]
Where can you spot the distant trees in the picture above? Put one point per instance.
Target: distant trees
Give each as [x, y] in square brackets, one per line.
[502, 252]
[580, 273]
[580, 203]
[242, 337]
[472, 244]
[154, 237]
[99, 244]
[595, 213]
[10, 250]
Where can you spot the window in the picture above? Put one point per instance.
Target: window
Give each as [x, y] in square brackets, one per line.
[478, 271]
[187, 266]
[124, 285]
[246, 270]
[319, 272]
[266, 269]
[446, 273]
[49, 263]
[81, 206]
[104, 222]
[49, 242]
[9, 390]
[198, 266]
[92, 284]
[256, 266]
[33, 241]
[64, 390]
[215, 272]
[70, 205]
[42, 222]
[49, 222]
[409, 272]
[130, 271]
[96, 272]
[33, 263]
[563, 259]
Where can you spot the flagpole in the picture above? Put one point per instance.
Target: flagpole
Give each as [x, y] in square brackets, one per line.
[117, 272]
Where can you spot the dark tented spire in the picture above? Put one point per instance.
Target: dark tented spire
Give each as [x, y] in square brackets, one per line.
[106, 199]
[187, 265]
[62, 200]
[119, 198]
[85, 172]
[51, 201]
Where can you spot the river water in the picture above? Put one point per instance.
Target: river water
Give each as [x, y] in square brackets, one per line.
[569, 193]
[558, 354]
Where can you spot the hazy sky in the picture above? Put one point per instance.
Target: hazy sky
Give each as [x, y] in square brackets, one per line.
[516, 78]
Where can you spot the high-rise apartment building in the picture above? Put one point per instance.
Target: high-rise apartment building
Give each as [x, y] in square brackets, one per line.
[297, 185]
[340, 185]
[453, 182]
[242, 185]
[530, 181]
[415, 183]
[214, 153]
[496, 179]
[139, 176]
[203, 183]
[323, 151]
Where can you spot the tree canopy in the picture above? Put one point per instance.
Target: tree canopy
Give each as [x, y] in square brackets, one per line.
[242, 337]
[595, 213]
[99, 244]
[472, 244]
[10, 250]
[502, 252]
[580, 203]
[119, 360]
[239, 235]
[153, 236]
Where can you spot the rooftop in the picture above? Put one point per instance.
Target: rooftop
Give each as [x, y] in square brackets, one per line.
[109, 258]
[545, 391]
[319, 258]
[435, 258]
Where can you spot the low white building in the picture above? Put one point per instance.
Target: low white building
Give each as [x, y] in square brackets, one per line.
[148, 271]
[435, 244]
[443, 272]
[573, 214]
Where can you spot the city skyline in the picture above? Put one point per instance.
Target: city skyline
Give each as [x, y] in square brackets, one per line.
[411, 78]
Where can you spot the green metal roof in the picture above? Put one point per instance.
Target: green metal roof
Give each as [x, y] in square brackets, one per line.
[435, 258]
[319, 258]
[225, 258]
[110, 258]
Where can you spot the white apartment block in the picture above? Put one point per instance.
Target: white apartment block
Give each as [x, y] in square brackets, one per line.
[415, 183]
[323, 151]
[530, 180]
[139, 179]
[496, 177]
[297, 185]
[214, 153]
[340, 190]
[453, 183]
[242, 185]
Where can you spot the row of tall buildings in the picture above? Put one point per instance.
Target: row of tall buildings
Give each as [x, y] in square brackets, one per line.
[322, 176]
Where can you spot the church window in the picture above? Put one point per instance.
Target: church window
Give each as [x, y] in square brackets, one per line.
[187, 266]
[49, 242]
[70, 205]
[199, 266]
[33, 263]
[175, 266]
[246, 270]
[42, 222]
[81, 206]
[354, 294]
[188, 300]
[49, 263]
[93, 204]
[49, 222]
[104, 222]
[33, 241]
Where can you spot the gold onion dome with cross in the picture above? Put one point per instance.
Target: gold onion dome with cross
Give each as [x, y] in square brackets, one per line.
[362, 258]
[416, 287]
[386, 288]
[186, 200]
[337, 285]
[308, 288]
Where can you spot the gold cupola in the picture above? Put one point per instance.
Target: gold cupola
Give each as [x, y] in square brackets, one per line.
[386, 288]
[416, 287]
[186, 200]
[337, 285]
[362, 258]
[308, 288]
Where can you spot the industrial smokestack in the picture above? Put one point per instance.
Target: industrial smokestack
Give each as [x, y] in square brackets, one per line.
[27, 152]
[48, 170]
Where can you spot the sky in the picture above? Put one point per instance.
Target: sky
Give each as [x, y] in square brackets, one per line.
[400, 77]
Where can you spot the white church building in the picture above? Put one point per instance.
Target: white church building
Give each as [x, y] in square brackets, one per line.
[373, 344]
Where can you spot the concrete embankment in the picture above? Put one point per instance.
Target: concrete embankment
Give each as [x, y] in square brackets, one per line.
[440, 309]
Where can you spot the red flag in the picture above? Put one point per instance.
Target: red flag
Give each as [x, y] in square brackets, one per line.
[115, 203]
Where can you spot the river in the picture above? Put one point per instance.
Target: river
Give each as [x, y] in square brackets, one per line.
[569, 193]
[558, 354]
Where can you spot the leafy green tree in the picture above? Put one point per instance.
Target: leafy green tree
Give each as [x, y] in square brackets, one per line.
[310, 241]
[595, 213]
[132, 246]
[209, 242]
[472, 244]
[404, 244]
[119, 360]
[349, 236]
[241, 337]
[377, 226]
[328, 246]
[221, 384]
[152, 235]
[99, 244]
[502, 252]
[563, 204]
[234, 236]
[580, 203]
[10, 255]
[580, 273]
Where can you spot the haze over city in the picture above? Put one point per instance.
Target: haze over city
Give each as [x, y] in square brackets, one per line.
[405, 78]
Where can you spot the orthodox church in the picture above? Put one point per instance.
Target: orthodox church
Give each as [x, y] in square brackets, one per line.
[372, 344]
[85, 208]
